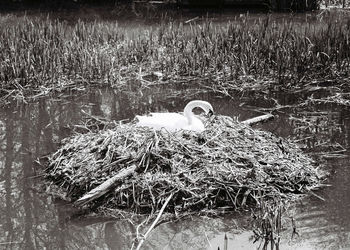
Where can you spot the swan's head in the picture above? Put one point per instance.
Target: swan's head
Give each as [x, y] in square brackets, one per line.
[210, 112]
[206, 106]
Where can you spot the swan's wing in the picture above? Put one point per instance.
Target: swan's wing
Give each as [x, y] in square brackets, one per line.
[169, 121]
[197, 125]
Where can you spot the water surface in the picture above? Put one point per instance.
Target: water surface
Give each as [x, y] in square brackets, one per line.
[32, 219]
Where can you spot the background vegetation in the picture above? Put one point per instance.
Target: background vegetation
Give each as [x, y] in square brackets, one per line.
[43, 53]
[71, 4]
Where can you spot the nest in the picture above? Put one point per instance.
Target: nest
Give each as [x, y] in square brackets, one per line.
[230, 165]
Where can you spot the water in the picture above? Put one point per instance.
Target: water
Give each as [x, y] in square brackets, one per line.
[32, 219]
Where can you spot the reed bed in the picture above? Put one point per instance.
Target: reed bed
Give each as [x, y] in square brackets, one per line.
[42, 54]
[227, 167]
[335, 3]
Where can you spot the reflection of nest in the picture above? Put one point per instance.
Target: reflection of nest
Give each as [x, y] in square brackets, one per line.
[228, 165]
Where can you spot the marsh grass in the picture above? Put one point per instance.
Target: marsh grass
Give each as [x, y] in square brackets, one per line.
[336, 3]
[40, 53]
[267, 222]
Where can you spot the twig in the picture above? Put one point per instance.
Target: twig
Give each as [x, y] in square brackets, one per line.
[154, 222]
[316, 195]
[96, 118]
[191, 20]
[258, 119]
[10, 242]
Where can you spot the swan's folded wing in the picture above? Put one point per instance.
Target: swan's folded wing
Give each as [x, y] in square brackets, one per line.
[169, 121]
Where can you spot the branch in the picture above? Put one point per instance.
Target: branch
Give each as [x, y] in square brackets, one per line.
[105, 186]
[259, 119]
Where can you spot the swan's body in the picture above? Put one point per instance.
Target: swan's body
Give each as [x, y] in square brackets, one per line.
[175, 121]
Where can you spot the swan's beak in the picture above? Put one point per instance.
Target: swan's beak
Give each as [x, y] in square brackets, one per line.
[210, 113]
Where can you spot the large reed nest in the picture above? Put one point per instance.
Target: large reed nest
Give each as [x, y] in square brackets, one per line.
[230, 165]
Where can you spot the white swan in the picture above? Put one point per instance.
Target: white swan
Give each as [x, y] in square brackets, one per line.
[175, 121]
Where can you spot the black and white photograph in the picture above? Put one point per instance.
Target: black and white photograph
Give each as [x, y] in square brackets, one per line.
[175, 124]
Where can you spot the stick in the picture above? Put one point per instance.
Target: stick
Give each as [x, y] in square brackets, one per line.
[317, 196]
[154, 222]
[191, 20]
[96, 118]
[105, 186]
[156, 2]
[258, 119]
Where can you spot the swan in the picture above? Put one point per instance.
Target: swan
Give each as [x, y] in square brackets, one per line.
[175, 121]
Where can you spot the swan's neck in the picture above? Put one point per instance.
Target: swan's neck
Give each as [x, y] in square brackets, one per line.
[189, 114]
[191, 105]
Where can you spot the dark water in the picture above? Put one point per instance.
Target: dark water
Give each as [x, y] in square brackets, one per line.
[31, 219]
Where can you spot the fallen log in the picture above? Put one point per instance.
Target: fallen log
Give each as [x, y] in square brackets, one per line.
[258, 119]
[105, 186]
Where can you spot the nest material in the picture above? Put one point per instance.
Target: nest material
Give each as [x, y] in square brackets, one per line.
[228, 165]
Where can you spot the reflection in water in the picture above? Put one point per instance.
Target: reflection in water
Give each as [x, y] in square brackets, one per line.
[31, 219]
[327, 223]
